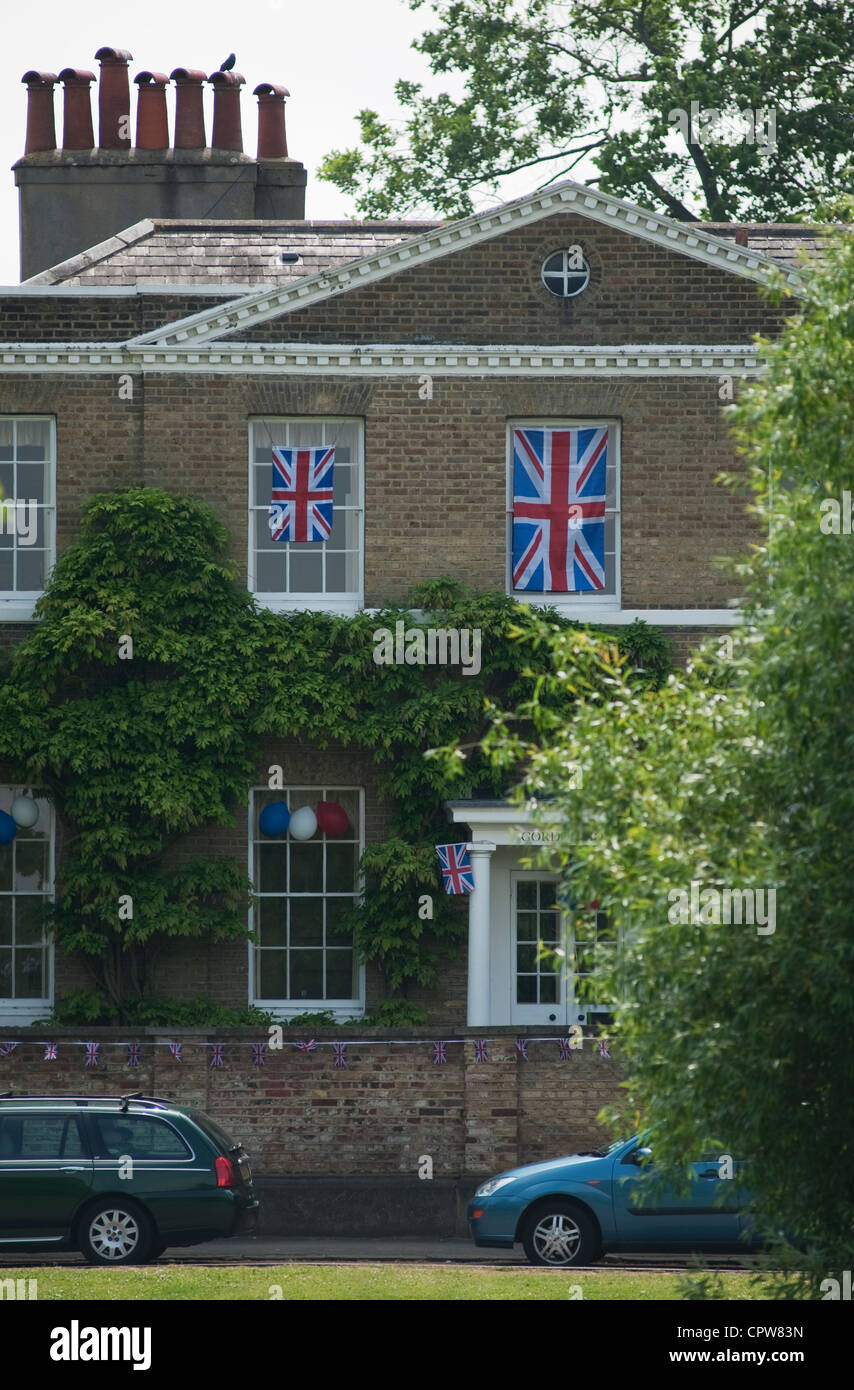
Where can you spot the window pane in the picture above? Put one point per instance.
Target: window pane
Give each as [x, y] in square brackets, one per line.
[341, 861]
[526, 926]
[271, 967]
[6, 566]
[306, 867]
[270, 572]
[526, 893]
[270, 868]
[306, 569]
[336, 909]
[29, 974]
[33, 439]
[344, 530]
[6, 434]
[31, 568]
[31, 864]
[339, 975]
[526, 957]
[306, 921]
[306, 975]
[30, 484]
[29, 919]
[548, 988]
[548, 894]
[526, 989]
[271, 922]
[138, 1137]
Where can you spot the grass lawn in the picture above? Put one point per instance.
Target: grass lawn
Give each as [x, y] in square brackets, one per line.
[360, 1282]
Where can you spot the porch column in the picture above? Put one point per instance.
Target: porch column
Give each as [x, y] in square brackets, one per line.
[479, 979]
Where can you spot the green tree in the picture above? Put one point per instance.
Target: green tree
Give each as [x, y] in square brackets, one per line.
[540, 85]
[735, 776]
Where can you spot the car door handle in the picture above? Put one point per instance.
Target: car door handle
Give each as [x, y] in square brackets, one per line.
[72, 1170]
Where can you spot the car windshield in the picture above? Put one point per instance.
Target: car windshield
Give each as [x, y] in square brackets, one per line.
[212, 1130]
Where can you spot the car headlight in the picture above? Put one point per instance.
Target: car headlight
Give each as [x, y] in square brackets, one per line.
[486, 1189]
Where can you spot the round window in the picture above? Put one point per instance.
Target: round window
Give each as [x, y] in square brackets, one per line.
[566, 273]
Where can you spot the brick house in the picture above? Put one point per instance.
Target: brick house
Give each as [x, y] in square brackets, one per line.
[401, 343]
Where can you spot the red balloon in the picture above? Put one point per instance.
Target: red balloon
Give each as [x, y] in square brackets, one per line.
[332, 819]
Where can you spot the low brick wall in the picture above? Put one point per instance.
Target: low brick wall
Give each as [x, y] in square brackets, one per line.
[376, 1120]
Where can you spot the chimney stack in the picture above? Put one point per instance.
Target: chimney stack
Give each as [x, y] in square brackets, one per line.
[152, 122]
[77, 132]
[79, 196]
[227, 132]
[189, 109]
[272, 141]
[113, 99]
[41, 130]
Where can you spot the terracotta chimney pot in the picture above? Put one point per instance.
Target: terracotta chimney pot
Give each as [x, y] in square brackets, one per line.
[77, 133]
[152, 121]
[272, 141]
[189, 109]
[41, 129]
[227, 131]
[114, 99]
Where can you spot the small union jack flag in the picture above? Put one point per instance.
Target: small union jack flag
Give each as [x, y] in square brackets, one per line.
[457, 873]
[93, 1052]
[602, 1049]
[133, 1055]
[310, 1046]
[480, 1050]
[440, 1054]
[563, 1048]
[259, 1054]
[559, 509]
[50, 1052]
[177, 1050]
[216, 1055]
[301, 498]
[7, 1048]
[339, 1054]
[522, 1047]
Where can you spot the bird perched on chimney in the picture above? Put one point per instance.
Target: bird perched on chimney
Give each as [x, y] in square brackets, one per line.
[228, 64]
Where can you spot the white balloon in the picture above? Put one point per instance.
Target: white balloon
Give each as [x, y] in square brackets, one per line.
[25, 812]
[303, 823]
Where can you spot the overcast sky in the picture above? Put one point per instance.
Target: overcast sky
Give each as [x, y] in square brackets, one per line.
[334, 56]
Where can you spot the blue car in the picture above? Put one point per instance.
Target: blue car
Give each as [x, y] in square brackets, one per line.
[569, 1211]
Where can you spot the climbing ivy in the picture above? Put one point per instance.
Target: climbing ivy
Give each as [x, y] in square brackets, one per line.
[139, 703]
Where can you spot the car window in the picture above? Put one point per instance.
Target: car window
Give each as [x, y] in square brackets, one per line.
[212, 1130]
[41, 1136]
[138, 1136]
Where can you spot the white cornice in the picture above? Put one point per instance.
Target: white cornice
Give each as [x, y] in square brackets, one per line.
[380, 360]
[687, 238]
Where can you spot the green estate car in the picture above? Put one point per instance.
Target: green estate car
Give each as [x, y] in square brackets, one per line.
[119, 1178]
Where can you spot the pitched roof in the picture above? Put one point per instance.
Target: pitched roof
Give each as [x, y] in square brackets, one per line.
[164, 251]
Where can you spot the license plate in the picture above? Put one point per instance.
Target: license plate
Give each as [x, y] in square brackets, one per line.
[245, 1172]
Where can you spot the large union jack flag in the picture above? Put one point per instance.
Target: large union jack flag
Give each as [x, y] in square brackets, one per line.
[455, 863]
[301, 499]
[559, 509]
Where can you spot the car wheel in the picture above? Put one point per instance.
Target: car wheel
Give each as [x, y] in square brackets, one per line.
[116, 1233]
[559, 1234]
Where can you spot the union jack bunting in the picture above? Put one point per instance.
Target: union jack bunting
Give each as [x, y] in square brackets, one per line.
[93, 1052]
[50, 1052]
[522, 1047]
[133, 1055]
[339, 1054]
[480, 1050]
[310, 1046]
[602, 1049]
[301, 497]
[216, 1055]
[456, 867]
[7, 1048]
[563, 1048]
[559, 484]
[259, 1054]
[177, 1050]
[440, 1054]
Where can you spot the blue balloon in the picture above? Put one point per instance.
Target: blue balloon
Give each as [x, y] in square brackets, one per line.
[275, 818]
[8, 829]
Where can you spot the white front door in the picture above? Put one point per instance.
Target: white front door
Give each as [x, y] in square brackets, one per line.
[537, 983]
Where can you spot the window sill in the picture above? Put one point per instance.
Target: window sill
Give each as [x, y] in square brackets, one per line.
[341, 605]
[18, 610]
[341, 1010]
[21, 1013]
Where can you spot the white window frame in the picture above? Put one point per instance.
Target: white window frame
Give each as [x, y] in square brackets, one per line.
[345, 604]
[341, 1009]
[588, 607]
[18, 605]
[19, 1013]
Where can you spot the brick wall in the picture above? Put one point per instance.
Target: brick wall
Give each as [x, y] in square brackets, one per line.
[492, 293]
[300, 1116]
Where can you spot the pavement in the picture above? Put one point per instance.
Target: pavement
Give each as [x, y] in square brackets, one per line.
[342, 1249]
